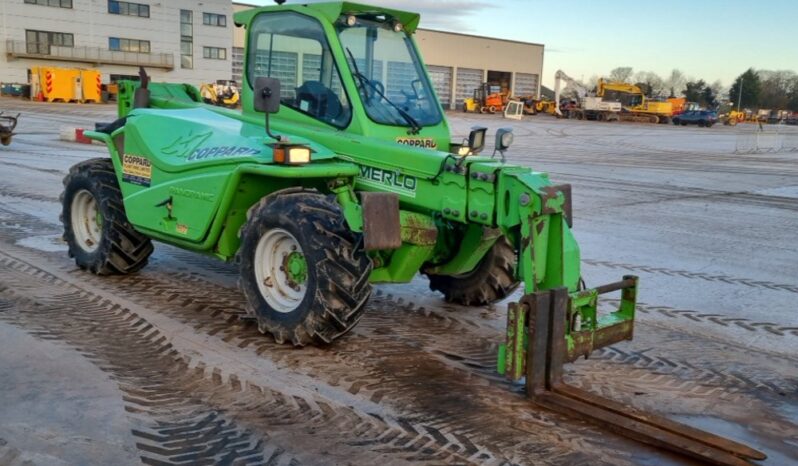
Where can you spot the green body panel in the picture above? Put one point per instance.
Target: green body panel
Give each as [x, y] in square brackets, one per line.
[419, 237]
[475, 243]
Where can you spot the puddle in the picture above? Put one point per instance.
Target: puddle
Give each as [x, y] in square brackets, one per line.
[46, 243]
[777, 449]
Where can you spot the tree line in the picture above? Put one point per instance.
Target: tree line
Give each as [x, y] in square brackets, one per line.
[775, 90]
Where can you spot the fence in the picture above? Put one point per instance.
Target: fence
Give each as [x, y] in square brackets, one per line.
[761, 138]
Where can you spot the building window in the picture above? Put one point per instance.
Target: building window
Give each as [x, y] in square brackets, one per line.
[128, 45]
[39, 42]
[58, 3]
[186, 39]
[238, 64]
[212, 19]
[214, 53]
[128, 9]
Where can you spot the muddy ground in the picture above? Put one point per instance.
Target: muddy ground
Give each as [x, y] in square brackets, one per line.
[156, 368]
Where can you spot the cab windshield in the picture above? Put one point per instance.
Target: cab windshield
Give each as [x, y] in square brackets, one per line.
[388, 73]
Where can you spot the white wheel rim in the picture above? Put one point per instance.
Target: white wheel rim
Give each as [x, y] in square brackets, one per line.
[86, 221]
[280, 292]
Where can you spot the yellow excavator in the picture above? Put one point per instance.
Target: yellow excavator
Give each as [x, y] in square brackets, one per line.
[635, 105]
[222, 94]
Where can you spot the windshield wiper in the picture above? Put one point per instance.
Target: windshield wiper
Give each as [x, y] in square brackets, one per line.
[415, 126]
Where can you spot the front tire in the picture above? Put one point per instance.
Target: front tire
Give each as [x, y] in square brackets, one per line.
[304, 273]
[96, 229]
[492, 280]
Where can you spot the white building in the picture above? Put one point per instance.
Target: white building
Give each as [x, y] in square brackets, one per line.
[176, 40]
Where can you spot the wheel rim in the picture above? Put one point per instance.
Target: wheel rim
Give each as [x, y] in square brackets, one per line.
[87, 222]
[281, 270]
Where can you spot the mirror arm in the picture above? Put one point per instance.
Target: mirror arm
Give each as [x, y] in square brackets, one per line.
[276, 137]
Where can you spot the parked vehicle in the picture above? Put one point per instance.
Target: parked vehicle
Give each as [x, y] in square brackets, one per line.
[7, 125]
[702, 118]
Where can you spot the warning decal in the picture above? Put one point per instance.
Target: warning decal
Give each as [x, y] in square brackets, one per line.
[136, 170]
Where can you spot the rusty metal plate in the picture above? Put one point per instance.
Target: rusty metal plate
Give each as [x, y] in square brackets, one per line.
[552, 192]
[381, 226]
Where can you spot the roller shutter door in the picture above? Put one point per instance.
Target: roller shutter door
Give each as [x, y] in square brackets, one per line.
[467, 80]
[284, 66]
[525, 84]
[400, 75]
[441, 77]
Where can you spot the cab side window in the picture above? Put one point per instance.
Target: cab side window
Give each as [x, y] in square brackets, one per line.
[293, 48]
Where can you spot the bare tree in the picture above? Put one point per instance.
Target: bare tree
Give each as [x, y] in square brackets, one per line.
[718, 88]
[622, 74]
[675, 83]
[776, 88]
[654, 84]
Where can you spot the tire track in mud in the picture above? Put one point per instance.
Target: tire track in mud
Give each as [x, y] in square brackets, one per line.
[437, 402]
[10, 456]
[699, 275]
[671, 193]
[225, 304]
[7, 191]
[393, 342]
[386, 330]
[173, 422]
[187, 414]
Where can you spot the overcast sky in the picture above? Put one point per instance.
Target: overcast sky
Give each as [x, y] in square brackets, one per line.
[707, 39]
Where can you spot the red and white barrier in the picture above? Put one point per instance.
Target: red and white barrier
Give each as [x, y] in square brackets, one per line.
[73, 134]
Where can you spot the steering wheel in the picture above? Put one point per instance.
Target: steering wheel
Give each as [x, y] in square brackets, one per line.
[378, 86]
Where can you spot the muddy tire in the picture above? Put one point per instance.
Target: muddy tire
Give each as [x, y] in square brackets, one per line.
[96, 229]
[492, 280]
[304, 273]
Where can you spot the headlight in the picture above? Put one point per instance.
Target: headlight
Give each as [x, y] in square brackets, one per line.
[291, 155]
[504, 139]
[476, 140]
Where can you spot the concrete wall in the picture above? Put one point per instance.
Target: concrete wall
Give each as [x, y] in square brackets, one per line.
[92, 25]
[485, 53]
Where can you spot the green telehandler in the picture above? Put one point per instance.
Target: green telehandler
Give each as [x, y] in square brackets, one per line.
[338, 173]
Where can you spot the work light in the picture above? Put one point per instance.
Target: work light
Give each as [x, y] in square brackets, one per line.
[291, 155]
[351, 20]
[504, 139]
[397, 27]
[476, 139]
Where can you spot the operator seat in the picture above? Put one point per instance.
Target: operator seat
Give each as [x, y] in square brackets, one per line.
[318, 100]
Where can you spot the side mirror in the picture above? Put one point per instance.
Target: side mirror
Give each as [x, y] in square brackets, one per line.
[266, 97]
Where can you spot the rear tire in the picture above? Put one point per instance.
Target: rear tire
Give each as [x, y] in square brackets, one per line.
[96, 229]
[327, 297]
[492, 280]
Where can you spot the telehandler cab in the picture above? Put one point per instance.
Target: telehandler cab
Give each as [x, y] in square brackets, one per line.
[353, 182]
